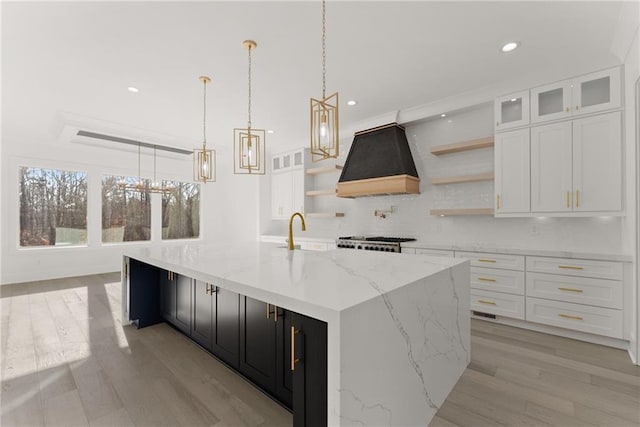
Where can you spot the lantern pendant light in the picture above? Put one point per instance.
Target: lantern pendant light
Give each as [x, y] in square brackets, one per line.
[249, 145]
[324, 113]
[204, 160]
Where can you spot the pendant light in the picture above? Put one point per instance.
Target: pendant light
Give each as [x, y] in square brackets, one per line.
[155, 186]
[142, 185]
[324, 113]
[249, 149]
[139, 184]
[204, 161]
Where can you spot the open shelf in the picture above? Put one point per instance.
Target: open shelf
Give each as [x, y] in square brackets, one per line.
[462, 211]
[457, 147]
[489, 176]
[327, 192]
[323, 169]
[324, 214]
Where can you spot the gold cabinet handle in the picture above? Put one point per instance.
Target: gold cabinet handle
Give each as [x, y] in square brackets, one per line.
[568, 199]
[569, 316]
[497, 201]
[275, 313]
[497, 124]
[486, 260]
[567, 109]
[571, 267]
[268, 311]
[293, 348]
[577, 198]
[486, 279]
[571, 290]
[577, 107]
[481, 301]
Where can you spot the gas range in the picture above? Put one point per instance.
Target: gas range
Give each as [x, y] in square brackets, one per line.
[377, 243]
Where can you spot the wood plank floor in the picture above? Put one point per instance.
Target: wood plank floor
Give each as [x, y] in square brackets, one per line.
[66, 360]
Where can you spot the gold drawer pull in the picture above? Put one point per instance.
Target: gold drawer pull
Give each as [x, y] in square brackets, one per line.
[571, 267]
[569, 316]
[481, 301]
[577, 198]
[486, 279]
[293, 348]
[568, 199]
[486, 260]
[571, 289]
[498, 201]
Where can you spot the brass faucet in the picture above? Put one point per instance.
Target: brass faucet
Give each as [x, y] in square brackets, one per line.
[304, 228]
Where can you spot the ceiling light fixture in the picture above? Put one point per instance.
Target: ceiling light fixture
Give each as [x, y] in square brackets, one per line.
[352, 102]
[204, 161]
[271, 131]
[249, 144]
[443, 115]
[508, 47]
[133, 89]
[324, 112]
[142, 185]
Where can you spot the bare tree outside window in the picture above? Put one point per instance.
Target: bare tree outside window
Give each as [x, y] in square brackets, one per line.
[53, 207]
[181, 211]
[126, 214]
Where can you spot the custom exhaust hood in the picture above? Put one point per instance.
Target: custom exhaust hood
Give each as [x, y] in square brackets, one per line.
[379, 163]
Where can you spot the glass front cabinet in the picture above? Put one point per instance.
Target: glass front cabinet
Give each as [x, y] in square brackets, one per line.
[512, 110]
[591, 93]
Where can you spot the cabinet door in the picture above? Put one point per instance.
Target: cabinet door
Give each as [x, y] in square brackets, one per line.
[144, 294]
[226, 326]
[309, 371]
[183, 303]
[202, 313]
[512, 110]
[597, 163]
[551, 186]
[512, 172]
[281, 190]
[597, 91]
[167, 296]
[284, 377]
[297, 192]
[258, 343]
[551, 102]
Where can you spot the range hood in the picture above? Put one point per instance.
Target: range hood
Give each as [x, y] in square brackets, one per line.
[379, 163]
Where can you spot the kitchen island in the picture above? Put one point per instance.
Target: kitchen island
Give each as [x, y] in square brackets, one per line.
[394, 328]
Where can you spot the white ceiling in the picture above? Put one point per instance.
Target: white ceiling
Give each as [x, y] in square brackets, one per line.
[80, 57]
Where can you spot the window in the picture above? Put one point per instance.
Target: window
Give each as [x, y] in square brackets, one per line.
[126, 214]
[53, 207]
[181, 211]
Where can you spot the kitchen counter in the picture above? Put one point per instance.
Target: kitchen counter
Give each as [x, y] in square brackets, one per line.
[398, 330]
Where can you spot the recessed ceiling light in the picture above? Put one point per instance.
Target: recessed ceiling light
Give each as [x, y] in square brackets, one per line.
[270, 131]
[133, 89]
[508, 47]
[443, 115]
[352, 102]
[513, 99]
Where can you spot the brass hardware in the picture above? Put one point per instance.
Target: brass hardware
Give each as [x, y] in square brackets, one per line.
[568, 199]
[571, 267]
[577, 107]
[569, 316]
[293, 348]
[304, 228]
[497, 124]
[486, 260]
[268, 311]
[481, 301]
[577, 198]
[204, 159]
[498, 201]
[567, 109]
[485, 279]
[275, 313]
[571, 290]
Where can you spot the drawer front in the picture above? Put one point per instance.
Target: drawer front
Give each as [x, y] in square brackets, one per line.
[585, 318]
[497, 303]
[580, 290]
[493, 279]
[436, 252]
[576, 267]
[479, 259]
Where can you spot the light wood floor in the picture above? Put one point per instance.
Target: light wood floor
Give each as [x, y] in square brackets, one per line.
[66, 360]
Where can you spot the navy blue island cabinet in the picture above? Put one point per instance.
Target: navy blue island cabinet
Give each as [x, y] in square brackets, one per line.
[282, 352]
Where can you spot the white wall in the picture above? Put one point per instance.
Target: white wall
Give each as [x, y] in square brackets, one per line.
[228, 205]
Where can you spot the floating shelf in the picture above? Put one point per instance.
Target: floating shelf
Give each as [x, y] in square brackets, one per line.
[324, 214]
[323, 169]
[457, 147]
[327, 192]
[462, 211]
[489, 176]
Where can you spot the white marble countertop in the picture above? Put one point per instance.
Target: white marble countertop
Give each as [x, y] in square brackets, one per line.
[319, 284]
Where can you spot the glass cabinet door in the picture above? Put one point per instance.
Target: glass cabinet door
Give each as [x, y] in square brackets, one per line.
[512, 110]
[551, 102]
[596, 92]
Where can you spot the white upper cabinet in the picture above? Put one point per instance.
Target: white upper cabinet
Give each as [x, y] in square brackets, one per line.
[512, 110]
[512, 179]
[587, 94]
[597, 163]
[288, 183]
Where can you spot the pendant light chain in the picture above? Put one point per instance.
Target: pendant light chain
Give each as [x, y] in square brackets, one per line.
[324, 53]
[204, 116]
[249, 98]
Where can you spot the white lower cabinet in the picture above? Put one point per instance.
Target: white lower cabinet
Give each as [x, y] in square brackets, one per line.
[493, 279]
[579, 317]
[497, 303]
[435, 252]
[579, 290]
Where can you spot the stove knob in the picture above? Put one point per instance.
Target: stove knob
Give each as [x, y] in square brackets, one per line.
[377, 248]
[359, 247]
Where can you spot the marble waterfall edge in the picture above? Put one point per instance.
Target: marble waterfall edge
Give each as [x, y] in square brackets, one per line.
[403, 351]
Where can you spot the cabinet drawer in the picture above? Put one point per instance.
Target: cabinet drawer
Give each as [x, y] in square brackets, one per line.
[576, 267]
[581, 290]
[504, 261]
[497, 303]
[493, 279]
[436, 252]
[585, 318]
